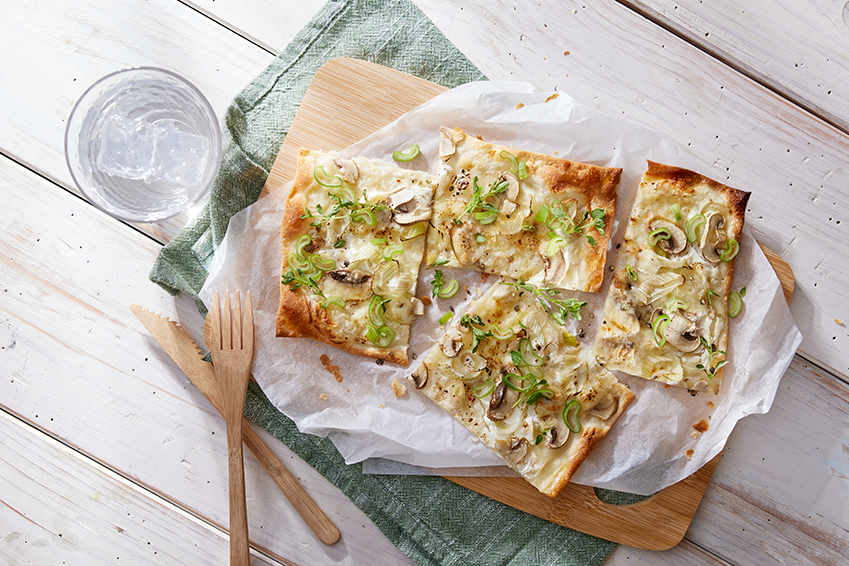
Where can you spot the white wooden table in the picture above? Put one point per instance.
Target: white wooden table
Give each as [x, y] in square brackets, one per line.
[109, 455]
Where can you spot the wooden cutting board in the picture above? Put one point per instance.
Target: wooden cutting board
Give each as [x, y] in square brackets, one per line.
[369, 97]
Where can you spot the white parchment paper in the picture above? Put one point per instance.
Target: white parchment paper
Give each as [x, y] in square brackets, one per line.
[647, 448]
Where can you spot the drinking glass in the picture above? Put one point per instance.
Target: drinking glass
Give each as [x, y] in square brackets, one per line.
[143, 144]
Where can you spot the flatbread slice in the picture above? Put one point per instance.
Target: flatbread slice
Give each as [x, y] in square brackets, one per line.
[353, 236]
[666, 312]
[524, 215]
[510, 373]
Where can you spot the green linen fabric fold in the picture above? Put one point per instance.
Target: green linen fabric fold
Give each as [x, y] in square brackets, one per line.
[432, 520]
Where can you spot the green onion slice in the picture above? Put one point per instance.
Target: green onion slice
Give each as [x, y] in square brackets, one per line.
[676, 304]
[508, 378]
[393, 251]
[486, 217]
[555, 244]
[534, 397]
[527, 354]
[324, 179]
[364, 215]
[298, 263]
[333, 302]
[659, 234]
[376, 309]
[514, 163]
[481, 239]
[631, 273]
[409, 155]
[542, 214]
[414, 230]
[735, 303]
[303, 242]
[568, 412]
[378, 241]
[322, 264]
[445, 317]
[693, 227]
[380, 337]
[657, 328]
[501, 334]
[731, 251]
[484, 389]
[449, 290]
[676, 212]
[523, 170]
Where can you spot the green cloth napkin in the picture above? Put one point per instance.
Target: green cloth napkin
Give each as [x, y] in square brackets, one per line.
[431, 519]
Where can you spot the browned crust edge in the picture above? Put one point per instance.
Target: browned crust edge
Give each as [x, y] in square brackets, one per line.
[589, 439]
[299, 316]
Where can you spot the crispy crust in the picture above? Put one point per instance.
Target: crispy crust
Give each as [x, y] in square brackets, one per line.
[622, 342]
[518, 255]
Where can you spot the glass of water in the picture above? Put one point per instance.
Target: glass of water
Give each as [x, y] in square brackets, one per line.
[143, 144]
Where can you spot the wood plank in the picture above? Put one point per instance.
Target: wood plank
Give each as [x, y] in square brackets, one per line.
[55, 504]
[781, 489]
[799, 48]
[88, 39]
[75, 362]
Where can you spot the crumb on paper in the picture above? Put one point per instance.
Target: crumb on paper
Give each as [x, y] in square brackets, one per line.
[479, 137]
[838, 321]
[556, 152]
[710, 404]
[566, 53]
[381, 405]
[694, 434]
[689, 453]
[520, 105]
[323, 396]
[398, 388]
[426, 300]
[552, 97]
[332, 368]
[702, 426]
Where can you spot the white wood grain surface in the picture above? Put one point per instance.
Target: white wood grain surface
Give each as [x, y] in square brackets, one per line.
[78, 366]
[800, 48]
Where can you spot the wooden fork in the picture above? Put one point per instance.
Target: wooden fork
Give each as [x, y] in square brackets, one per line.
[232, 350]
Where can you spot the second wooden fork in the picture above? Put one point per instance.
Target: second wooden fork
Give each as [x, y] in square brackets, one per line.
[232, 350]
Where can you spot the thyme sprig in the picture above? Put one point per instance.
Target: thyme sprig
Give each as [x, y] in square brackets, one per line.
[559, 309]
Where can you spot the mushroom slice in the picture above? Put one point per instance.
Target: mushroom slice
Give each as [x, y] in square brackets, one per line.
[465, 246]
[515, 450]
[447, 147]
[713, 237]
[350, 284]
[419, 377]
[677, 240]
[452, 342]
[512, 192]
[348, 169]
[501, 402]
[555, 267]
[409, 206]
[605, 408]
[557, 432]
[682, 333]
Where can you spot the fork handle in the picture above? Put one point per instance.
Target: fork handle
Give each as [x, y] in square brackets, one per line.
[239, 543]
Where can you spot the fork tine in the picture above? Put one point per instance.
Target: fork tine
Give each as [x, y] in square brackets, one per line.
[248, 324]
[216, 323]
[226, 324]
[237, 322]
